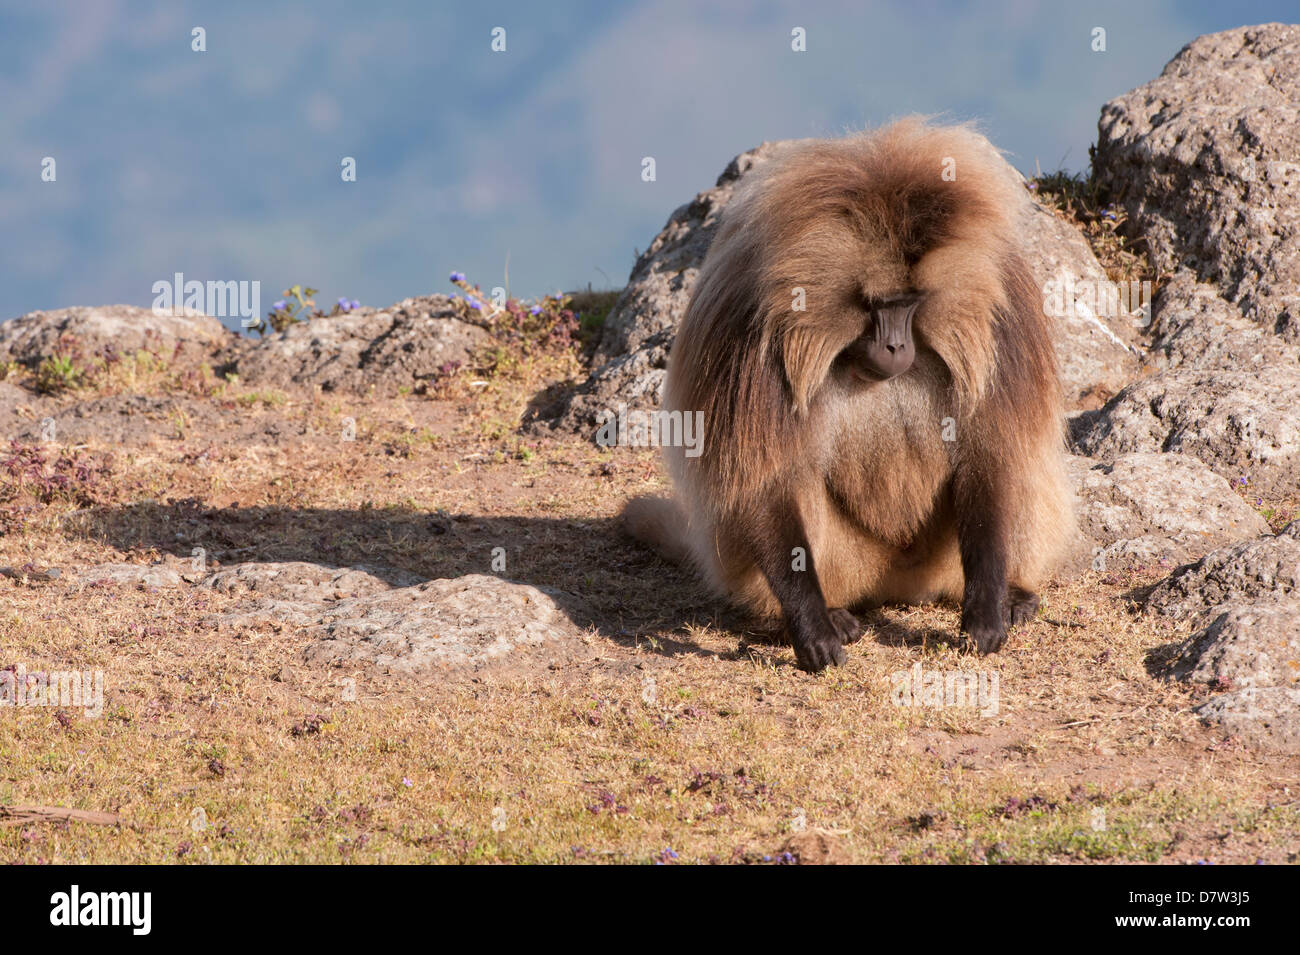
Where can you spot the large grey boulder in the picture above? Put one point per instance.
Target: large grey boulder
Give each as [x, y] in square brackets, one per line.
[406, 345]
[1149, 508]
[1097, 338]
[1242, 422]
[111, 329]
[387, 619]
[1097, 352]
[1205, 160]
[1266, 568]
[1246, 601]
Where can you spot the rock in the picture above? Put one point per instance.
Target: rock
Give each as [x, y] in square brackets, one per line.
[664, 274]
[635, 379]
[1265, 568]
[406, 345]
[1194, 326]
[1242, 423]
[1216, 386]
[1097, 354]
[305, 582]
[358, 616]
[32, 573]
[124, 329]
[140, 576]
[1267, 717]
[1246, 646]
[815, 847]
[1205, 159]
[1248, 598]
[1157, 508]
[1250, 655]
[444, 624]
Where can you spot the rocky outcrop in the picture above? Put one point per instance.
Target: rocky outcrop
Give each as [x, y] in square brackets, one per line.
[1206, 161]
[109, 330]
[1148, 508]
[1246, 601]
[407, 345]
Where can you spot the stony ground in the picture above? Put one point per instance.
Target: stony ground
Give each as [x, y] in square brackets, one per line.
[664, 729]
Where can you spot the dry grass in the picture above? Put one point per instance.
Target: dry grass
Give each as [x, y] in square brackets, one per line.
[680, 736]
[1078, 200]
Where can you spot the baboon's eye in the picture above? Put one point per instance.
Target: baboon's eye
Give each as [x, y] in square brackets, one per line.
[874, 303]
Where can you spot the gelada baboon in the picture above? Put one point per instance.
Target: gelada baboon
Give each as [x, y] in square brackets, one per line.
[881, 408]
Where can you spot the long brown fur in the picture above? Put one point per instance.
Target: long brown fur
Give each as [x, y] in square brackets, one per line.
[877, 489]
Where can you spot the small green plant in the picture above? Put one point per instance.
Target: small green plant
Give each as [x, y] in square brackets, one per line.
[299, 306]
[547, 326]
[271, 399]
[61, 371]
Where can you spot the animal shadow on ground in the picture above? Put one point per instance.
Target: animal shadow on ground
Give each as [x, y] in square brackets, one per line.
[623, 591]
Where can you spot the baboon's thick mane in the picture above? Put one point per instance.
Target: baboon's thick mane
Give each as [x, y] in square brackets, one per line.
[829, 225]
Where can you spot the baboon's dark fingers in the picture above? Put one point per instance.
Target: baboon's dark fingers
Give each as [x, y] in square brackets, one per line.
[816, 648]
[1024, 604]
[984, 622]
[987, 639]
[846, 625]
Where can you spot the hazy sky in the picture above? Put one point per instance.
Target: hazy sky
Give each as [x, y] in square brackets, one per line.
[225, 164]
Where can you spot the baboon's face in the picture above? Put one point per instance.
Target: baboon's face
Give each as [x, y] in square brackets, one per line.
[886, 348]
[878, 303]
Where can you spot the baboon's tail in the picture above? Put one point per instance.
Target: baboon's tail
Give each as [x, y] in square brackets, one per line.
[659, 523]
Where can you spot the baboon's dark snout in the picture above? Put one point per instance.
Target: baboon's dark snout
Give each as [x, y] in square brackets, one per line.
[890, 348]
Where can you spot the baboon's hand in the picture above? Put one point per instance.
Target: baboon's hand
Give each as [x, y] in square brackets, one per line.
[819, 643]
[846, 625]
[986, 627]
[1023, 607]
